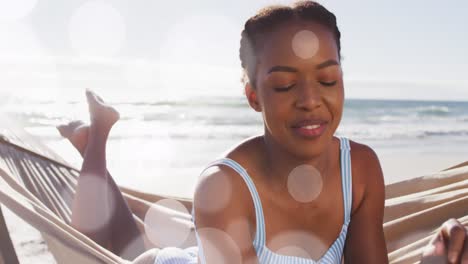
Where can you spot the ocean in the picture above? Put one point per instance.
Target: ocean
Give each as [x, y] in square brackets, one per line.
[162, 145]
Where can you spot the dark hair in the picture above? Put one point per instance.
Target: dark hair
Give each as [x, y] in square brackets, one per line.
[268, 18]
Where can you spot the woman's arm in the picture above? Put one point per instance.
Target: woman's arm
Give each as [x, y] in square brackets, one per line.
[221, 202]
[365, 241]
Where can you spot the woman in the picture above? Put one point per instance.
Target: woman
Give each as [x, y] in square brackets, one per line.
[291, 57]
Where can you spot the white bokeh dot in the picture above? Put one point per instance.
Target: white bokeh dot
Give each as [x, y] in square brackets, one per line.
[297, 243]
[239, 228]
[100, 187]
[218, 246]
[167, 223]
[215, 180]
[305, 44]
[293, 251]
[305, 183]
[97, 29]
[16, 9]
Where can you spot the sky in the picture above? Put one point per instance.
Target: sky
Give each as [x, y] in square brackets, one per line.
[400, 49]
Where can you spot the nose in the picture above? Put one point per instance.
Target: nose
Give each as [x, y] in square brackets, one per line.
[308, 96]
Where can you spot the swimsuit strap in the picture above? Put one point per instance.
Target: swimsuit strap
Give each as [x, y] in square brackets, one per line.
[346, 177]
[260, 223]
[346, 185]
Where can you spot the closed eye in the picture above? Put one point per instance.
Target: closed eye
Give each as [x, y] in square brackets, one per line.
[328, 83]
[284, 89]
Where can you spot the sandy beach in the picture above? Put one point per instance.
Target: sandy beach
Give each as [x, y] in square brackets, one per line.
[29, 245]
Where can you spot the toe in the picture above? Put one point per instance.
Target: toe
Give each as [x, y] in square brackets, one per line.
[62, 130]
[76, 123]
[99, 98]
[93, 97]
[89, 96]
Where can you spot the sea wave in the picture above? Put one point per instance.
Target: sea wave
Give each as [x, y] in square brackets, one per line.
[200, 102]
[36, 118]
[447, 133]
[225, 118]
[395, 134]
[433, 110]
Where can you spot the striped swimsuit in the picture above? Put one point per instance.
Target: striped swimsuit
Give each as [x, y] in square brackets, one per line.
[265, 255]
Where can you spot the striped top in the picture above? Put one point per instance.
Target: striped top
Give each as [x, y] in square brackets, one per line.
[332, 256]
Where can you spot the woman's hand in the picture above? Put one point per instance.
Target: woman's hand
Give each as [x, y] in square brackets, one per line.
[449, 245]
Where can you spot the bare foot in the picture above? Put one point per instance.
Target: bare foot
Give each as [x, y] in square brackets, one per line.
[77, 133]
[102, 115]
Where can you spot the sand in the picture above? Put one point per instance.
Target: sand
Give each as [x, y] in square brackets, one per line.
[28, 243]
[410, 165]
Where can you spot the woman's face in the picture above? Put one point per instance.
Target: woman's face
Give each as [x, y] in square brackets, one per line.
[299, 87]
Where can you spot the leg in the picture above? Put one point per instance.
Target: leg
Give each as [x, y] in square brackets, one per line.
[77, 132]
[92, 201]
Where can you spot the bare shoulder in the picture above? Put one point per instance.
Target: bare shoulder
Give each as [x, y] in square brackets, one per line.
[221, 193]
[245, 151]
[224, 213]
[367, 173]
[220, 189]
[363, 158]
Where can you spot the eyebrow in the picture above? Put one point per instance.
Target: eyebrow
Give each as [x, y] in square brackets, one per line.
[326, 64]
[322, 65]
[282, 69]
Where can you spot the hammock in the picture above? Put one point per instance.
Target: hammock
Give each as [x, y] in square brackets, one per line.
[38, 186]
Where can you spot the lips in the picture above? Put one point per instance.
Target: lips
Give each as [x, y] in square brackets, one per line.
[310, 128]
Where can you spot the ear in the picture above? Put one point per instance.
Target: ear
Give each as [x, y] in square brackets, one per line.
[251, 95]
